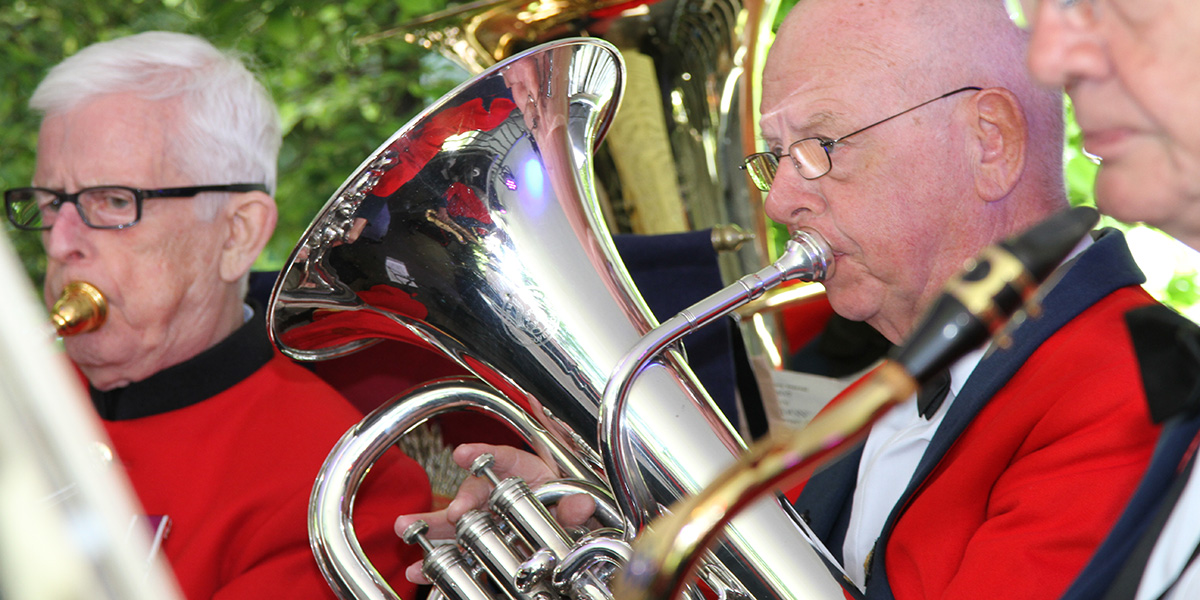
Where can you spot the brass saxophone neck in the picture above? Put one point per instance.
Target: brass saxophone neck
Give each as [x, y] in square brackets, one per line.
[81, 308]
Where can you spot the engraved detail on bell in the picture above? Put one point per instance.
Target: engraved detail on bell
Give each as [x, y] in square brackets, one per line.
[532, 321]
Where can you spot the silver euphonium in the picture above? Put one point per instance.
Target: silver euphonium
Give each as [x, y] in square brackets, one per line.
[474, 230]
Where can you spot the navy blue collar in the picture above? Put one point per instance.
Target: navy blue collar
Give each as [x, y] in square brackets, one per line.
[1168, 351]
[1101, 269]
[203, 376]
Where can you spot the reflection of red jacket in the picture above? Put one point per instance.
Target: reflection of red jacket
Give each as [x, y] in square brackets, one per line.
[417, 147]
[462, 201]
[234, 473]
[334, 328]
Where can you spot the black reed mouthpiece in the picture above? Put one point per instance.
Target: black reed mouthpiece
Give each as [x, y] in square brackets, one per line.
[1046, 244]
[991, 288]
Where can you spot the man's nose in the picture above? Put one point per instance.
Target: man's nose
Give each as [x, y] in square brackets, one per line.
[792, 198]
[1063, 48]
[67, 238]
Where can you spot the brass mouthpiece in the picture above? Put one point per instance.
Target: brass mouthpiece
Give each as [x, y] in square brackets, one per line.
[81, 308]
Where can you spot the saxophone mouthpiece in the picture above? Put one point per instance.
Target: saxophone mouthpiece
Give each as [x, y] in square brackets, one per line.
[81, 308]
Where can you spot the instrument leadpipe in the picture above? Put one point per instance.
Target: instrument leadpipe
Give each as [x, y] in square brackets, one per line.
[807, 257]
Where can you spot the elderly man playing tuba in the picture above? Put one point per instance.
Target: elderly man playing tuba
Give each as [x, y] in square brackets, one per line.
[156, 160]
[908, 133]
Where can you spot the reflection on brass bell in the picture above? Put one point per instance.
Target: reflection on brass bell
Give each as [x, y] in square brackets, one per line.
[81, 308]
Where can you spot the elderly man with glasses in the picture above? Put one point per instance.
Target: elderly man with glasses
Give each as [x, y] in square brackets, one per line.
[156, 161]
[909, 134]
[1132, 69]
[1001, 483]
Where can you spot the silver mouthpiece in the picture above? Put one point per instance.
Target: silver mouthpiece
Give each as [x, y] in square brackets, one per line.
[806, 257]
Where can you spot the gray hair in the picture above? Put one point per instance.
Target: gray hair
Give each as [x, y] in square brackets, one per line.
[228, 130]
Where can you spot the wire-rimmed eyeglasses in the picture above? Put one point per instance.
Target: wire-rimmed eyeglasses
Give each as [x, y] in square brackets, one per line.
[102, 207]
[811, 156]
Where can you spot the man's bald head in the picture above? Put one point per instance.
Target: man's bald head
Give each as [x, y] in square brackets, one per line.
[923, 47]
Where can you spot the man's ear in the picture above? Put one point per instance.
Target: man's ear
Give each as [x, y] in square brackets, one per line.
[1002, 137]
[250, 219]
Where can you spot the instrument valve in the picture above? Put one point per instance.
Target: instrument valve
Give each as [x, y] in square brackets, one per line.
[540, 567]
[446, 566]
[415, 534]
[482, 467]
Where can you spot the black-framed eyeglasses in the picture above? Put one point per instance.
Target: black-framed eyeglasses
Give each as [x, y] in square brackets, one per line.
[811, 156]
[102, 207]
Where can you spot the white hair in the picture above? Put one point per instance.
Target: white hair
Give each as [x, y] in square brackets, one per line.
[228, 130]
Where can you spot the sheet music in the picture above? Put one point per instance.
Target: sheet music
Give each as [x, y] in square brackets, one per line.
[792, 399]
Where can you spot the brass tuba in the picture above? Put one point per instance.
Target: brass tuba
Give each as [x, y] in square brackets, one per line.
[475, 230]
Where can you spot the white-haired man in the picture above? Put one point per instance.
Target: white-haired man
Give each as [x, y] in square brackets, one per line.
[155, 168]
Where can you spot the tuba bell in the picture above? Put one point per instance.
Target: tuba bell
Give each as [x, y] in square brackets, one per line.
[475, 230]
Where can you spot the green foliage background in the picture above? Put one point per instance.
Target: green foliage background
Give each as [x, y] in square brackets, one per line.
[339, 98]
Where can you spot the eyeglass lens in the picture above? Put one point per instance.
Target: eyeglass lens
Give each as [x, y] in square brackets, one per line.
[762, 167]
[34, 208]
[812, 159]
[1016, 12]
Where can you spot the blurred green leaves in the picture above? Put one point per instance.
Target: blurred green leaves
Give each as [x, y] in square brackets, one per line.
[339, 98]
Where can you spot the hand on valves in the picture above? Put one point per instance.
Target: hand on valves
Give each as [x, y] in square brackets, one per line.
[571, 511]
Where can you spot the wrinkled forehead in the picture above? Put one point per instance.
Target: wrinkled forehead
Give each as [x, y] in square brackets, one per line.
[114, 139]
[828, 60]
[802, 113]
[824, 96]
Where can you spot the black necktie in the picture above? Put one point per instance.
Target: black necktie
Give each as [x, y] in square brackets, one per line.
[931, 395]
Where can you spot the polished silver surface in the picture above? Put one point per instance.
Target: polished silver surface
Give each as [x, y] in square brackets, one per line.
[331, 529]
[475, 230]
[446, 567]
[806, 258]
[690, 111]
[480, 535]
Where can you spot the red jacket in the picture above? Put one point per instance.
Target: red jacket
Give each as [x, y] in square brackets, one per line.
[234, 472]
[1030, 488]
[1033, 463]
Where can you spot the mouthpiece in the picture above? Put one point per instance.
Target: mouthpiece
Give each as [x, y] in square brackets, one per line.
[806, 257]
[81, 308]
